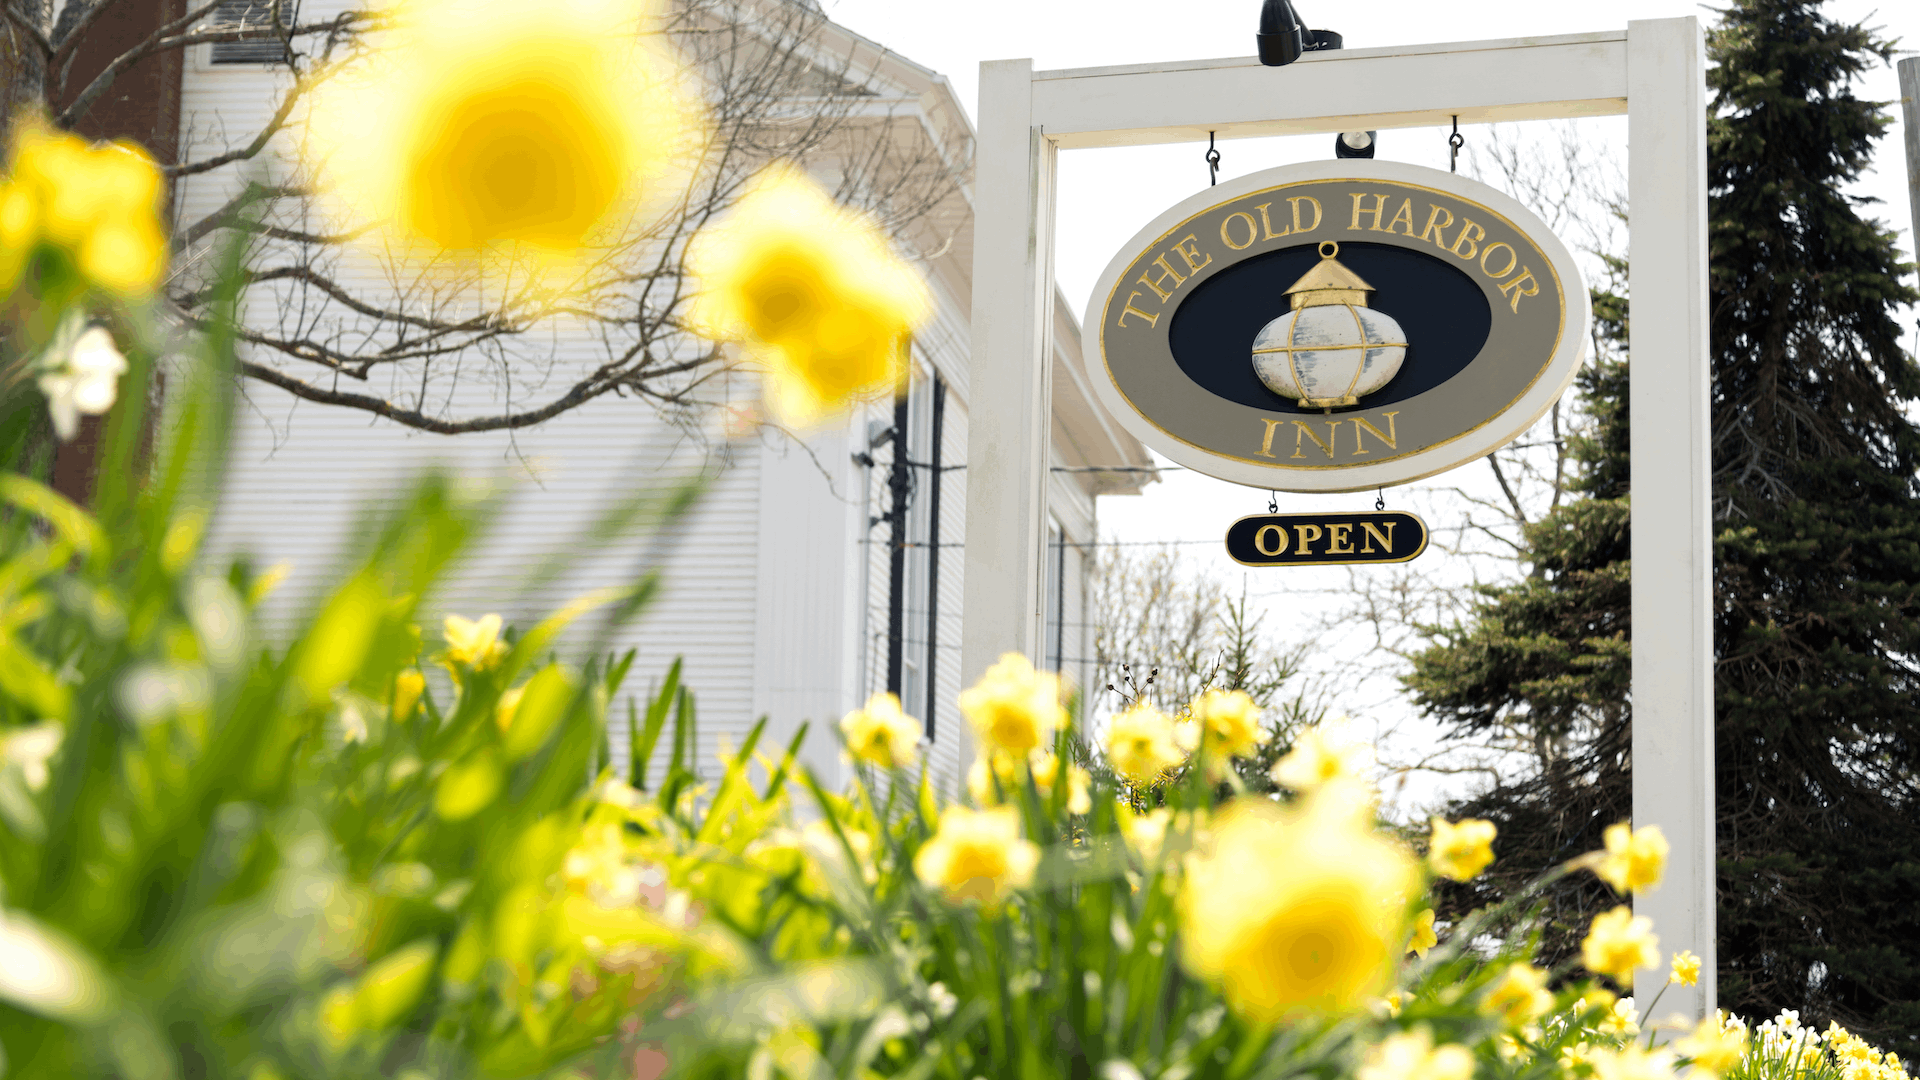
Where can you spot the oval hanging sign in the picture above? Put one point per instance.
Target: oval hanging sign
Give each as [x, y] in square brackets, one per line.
[1338, 326]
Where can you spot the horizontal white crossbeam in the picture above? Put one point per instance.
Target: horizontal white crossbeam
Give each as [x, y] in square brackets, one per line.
[1542, 78]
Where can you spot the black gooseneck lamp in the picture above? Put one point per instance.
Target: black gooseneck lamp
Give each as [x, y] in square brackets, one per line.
[1282, 38]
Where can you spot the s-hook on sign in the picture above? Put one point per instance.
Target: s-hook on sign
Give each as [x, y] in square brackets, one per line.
[1338, 326]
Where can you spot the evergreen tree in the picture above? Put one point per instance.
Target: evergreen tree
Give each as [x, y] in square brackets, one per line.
[1817, 579]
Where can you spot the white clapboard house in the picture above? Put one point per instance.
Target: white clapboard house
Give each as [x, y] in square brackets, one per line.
[782, 594]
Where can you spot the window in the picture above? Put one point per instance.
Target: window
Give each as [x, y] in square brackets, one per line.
[250, 15]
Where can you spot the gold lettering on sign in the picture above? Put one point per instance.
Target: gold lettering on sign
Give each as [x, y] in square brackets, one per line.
[1473, 248]
[1391, 436]
[1405, 213]
[1266, 440]
[1369, 533]
[1300, 428]
[1253, 231]
[1266, 226]
[1260, 540]
[1167, 271]
[1513, 260]
[1189, 250]
[1337, 543]
[1525, 278]
[1308, 534]
[1296, 200]
[1378, 211]
[1128, 309]
[1435, 226]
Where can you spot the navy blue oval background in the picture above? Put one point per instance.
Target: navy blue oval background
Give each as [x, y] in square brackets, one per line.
[1444, 313]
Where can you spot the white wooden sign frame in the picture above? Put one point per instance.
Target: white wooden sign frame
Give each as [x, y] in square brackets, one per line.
[1655, 73]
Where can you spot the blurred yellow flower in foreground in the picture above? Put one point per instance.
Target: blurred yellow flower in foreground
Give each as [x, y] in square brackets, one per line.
[1635, 858]
[1013, 707]
[1632, 1063]
[1229, 723]
[475, 643]
[1295, 910]
[408, 686]
[492, 127]
[1713, 1047]
[1617, 942]
[1411, 1055]
[1140, 744]
[977, 855]
[816, 292]
[1519, 996]
[1322, 754]
[881, 734]
[96, 205]
[1042, 766]
[1424, 937]
[1461, 850]
[1686, 968]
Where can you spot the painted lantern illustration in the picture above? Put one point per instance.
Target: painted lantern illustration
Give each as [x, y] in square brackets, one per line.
[1331, 350]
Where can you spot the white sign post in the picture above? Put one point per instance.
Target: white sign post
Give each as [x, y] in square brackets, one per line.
[1655, 74]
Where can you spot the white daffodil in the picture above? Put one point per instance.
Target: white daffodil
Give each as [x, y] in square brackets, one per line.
[81, 377]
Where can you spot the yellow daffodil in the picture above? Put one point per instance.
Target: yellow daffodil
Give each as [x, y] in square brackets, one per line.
[1411, 1055]
[1295, 910]
[977, 855]
[504, 709]
[1045, 769]
[1574, 1055]
[1014, 708]
[1519, 996]
[601, 867]
[1041, 765]
[1632, 1063]
[1621, 1017]
[1140, 744]
[1686, 968]
[1395, 1001]
[1229, 724]
[1424, 937]
[408, 686]
[1513, 1045]
[1635, 858]
[97, 206]
[1322, 754]
[474, 643]
[1145, 833]
[487, 128]
[1148, 834]
[1713, 1048]
[1617, 942]
[815, 291]
[881, 734]
[1461, 850]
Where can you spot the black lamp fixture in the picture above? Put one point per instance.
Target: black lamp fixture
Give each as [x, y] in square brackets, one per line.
[1282, 38]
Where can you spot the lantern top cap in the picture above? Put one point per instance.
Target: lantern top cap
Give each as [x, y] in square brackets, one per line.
[1329, 282]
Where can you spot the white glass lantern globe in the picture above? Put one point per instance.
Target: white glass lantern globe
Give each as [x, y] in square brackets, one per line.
[1331, 350]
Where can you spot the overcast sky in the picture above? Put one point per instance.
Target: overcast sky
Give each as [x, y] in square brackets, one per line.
[1107, 195]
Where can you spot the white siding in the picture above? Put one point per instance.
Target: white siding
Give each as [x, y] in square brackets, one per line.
[777, 588]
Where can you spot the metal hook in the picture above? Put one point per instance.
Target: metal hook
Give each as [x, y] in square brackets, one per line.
[1454, 142]
[1273, 501]
[1380, 500]
[1213, 162]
